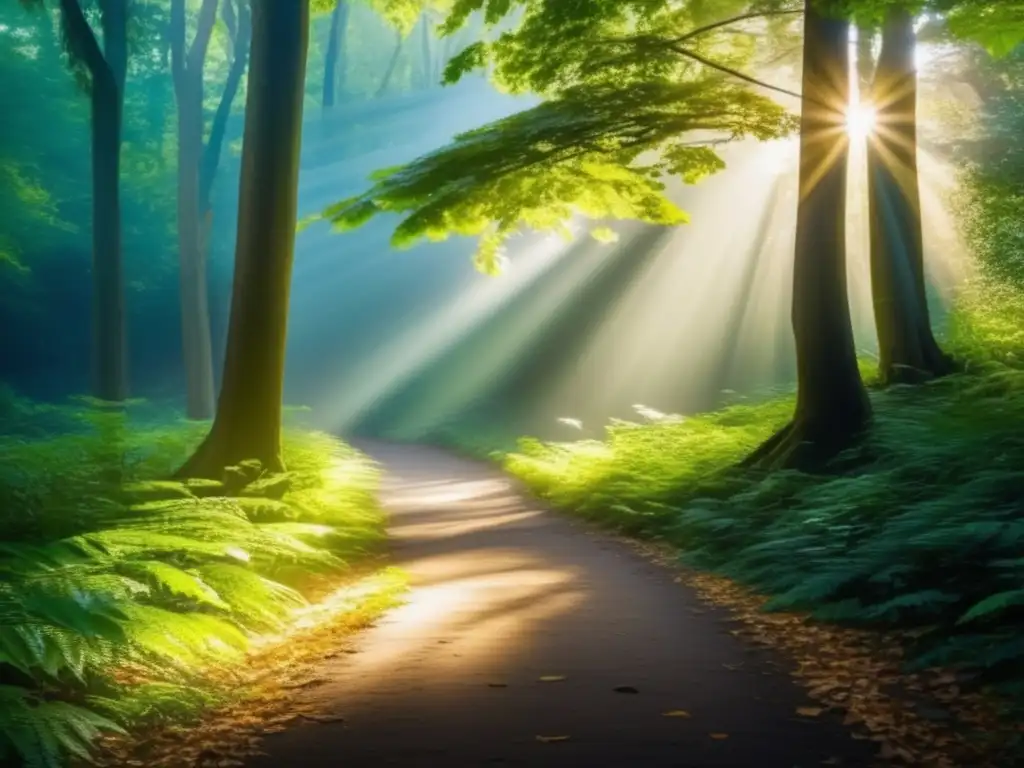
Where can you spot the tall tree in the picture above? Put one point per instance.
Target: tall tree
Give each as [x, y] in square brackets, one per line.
[248, 420]
[908, 351]
[197, 167]
[102, 71]
[187, 64]
[334, 58]
[832, 405]
[389, 73]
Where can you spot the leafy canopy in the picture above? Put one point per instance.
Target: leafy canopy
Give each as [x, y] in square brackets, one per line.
[624, 85]
[400, 14]
[997, 24]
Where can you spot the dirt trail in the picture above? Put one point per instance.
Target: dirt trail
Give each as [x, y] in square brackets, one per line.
[504, 594]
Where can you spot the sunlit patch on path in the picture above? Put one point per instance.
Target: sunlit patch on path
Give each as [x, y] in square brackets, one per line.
[507, 597]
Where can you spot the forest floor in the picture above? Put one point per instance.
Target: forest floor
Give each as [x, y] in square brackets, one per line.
[529, 638]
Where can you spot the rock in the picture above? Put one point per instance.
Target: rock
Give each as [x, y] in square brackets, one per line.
[156, 490]
[269, 486]
[204, 488]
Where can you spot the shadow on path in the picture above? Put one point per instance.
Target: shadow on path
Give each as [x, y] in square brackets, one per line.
[505, 593]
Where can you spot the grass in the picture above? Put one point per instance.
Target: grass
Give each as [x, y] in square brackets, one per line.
[121, 595]
[924, 536]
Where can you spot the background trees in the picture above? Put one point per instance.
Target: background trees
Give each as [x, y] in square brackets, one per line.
[197, 167]
[101, 70]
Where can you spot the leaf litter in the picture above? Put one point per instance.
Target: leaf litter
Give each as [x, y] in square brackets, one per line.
[859, 674]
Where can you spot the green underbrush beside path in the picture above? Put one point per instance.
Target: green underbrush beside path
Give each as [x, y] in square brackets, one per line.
[121, 591]
[920, 528]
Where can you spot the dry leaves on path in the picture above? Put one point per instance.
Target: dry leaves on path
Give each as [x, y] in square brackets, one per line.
[859, 674]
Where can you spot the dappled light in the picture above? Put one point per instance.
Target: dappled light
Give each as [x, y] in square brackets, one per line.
[537, 383]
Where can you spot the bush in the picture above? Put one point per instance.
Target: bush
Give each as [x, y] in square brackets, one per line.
[117, 589]
[925, 533]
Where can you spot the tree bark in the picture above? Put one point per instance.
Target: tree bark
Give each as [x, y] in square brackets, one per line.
[107, 69]
[832, 407]
[248, 420]
[195, 308]
[187, 65]
[335, 44]
[908, 351]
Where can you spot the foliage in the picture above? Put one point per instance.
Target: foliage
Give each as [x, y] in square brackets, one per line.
[586, 152]
[116, 589]
[626, 105]
[997, 24]
[926, 534]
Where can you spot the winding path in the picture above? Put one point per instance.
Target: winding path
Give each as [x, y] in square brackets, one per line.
[505, 593]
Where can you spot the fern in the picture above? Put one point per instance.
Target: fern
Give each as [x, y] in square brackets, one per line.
[993, 605]
[43, 732]
[104, 592]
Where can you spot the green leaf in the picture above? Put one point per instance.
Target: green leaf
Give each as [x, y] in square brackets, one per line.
[993, 604]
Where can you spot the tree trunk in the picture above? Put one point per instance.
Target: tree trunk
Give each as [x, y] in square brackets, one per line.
[248, 420]
[392, 65]
[187, 64]
[107, 69]
[832, 406]
[339, 24]
[908, 351]
[427, 52]
[110, 375]
[196, 335]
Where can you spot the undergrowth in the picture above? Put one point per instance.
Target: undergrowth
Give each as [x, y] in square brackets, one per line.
[118, 590]
[925, 535]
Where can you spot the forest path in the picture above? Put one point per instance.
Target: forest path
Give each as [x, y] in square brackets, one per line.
[505, 593]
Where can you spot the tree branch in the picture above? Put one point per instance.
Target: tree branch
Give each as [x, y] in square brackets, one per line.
[743, 17]
[176, 35]
[212, 151]
[200, 43]
[730, 71]
[82, 40]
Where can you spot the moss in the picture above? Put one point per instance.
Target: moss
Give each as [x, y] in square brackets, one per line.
[269, 487]
[156, 490]
[204, 488]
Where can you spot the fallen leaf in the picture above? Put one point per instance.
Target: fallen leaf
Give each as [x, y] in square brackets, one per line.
[676, 713]
[809, 711]
[551, 678]
[323, 718]
[549, 739]
[719, 736]
[305, 683]
[625, 689]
